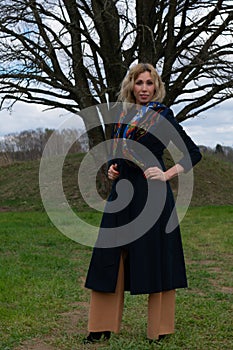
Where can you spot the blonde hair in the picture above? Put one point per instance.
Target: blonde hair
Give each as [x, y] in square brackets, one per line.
[126, 92]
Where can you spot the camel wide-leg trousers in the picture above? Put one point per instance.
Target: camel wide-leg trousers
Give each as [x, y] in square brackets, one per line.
[105, 313]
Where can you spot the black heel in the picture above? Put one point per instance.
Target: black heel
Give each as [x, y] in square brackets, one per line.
[161, 336]
[96, 336]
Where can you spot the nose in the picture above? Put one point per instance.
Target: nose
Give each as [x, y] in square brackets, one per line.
[144, 87]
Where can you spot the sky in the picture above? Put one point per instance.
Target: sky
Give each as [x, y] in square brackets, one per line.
[214, 126]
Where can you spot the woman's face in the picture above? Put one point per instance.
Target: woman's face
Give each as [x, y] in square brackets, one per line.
[144, 88]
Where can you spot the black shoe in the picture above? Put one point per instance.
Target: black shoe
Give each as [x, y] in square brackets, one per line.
[96, 336]
[161, 336]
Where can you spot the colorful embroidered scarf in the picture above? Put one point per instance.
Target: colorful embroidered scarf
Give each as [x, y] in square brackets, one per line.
[138, 126]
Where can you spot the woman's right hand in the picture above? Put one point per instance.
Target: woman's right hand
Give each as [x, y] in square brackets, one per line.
[113, 174]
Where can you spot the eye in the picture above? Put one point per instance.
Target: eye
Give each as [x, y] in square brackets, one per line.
[150, 82]
[138, 82]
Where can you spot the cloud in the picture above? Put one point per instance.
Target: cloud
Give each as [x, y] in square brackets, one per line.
[213, 126]
[31, 116]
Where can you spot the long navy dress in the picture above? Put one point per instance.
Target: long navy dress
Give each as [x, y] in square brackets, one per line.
[154, 260]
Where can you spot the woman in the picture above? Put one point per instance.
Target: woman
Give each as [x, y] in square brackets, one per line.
[150, 262]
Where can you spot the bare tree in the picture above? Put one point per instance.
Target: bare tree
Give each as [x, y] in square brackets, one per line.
[73, 54]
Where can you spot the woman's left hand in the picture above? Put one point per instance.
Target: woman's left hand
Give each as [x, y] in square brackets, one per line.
[155, 173]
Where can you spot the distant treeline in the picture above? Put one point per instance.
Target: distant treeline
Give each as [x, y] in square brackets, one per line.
[30, 144]
[223, 152]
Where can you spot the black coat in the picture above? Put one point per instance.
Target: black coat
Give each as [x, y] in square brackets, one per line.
[155, 260]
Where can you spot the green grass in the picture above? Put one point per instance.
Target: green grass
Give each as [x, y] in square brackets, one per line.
[43, 301]
[19, 183]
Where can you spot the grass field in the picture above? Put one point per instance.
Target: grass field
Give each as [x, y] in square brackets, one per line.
[44, 306]
[19, 184]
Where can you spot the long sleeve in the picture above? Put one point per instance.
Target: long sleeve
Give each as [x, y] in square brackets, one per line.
[176, 134]
[168, 129]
